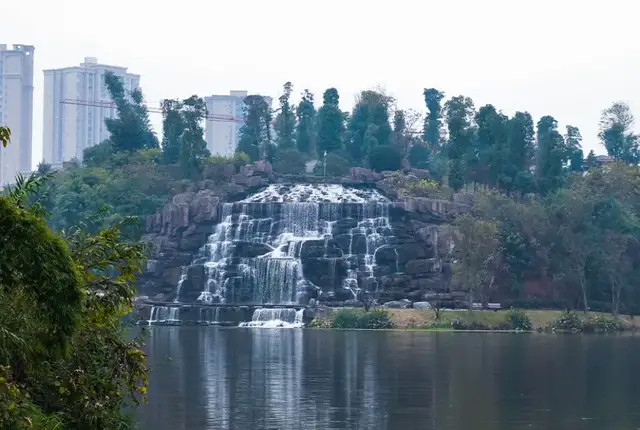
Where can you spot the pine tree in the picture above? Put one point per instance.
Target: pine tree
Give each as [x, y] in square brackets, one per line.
[330, 123]
[433, 120]
[573, 140]
[193, 147]
[285, 123]
[551, 157]
[490, 155]
[459, 113]
[255, 134]
[371, 109]
[305, 136]
[521, 144]
[172, 128]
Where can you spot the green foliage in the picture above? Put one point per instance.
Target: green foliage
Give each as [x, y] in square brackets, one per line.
[518, 320]
[616, 133]
[602, 324]
[337, 166]
[289, 161]
[551, 157]
[459, 113]
[5, 136]
[419, 156]
[369, 124]
[285, 123]
[65, 361]
[193, 147]
[329, 123]
[255, 134]
[573, 141]
[385, 157]
[131, 130]
[305, 133]
[568, 322]
[433, 120]
[172, 128]
[359, 319]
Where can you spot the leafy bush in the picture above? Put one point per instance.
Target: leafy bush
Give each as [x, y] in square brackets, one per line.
[602, 324]
[472, 325]
[289, 161]
[568, 321]
[419, 156]
[385, 157]
[238, 159]
[353, 318]
[518, 320]
[337, 166]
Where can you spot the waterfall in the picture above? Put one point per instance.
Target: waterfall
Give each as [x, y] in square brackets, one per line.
[285, 245]
[164, 315]
[276, 317]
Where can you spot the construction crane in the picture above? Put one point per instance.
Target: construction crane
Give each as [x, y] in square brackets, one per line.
[111, 105]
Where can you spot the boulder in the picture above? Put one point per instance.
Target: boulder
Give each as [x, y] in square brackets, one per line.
[398, 304]
[410, 251]
[421, 266]
[204, 207]
[422, 305]
[240, 179]
[366, 175]
[183, 198]
[249, 249]
[262, 168]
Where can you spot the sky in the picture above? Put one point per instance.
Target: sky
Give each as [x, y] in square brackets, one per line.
[565, 58]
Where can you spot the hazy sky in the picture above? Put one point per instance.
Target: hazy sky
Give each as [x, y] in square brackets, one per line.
[565, 58]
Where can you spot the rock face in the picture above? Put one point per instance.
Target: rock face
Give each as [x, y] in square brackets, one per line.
[293, 243]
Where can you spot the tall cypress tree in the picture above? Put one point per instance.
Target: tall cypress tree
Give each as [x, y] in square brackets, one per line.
[573, 140]
[551, 156]
[330, 123]
[369, 124]
[491, 152]
[255, 134]
[305, 136]
[193, 147]
[521, 144]
[459, 113]
[285, 120]
[433, 120]
[172, 128]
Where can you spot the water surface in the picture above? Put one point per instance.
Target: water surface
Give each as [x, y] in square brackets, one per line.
[216, 378]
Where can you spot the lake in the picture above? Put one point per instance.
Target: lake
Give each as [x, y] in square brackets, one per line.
[235, 378]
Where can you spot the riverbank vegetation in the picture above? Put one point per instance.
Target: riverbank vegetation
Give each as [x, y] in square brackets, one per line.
[66, 360]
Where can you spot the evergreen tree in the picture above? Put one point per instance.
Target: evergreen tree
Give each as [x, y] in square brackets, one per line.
[491, 153]
[551, 157]
[591, 161]
[285, 120]
[369, 121]
[193, 147]
[330, 123]
[521, 149]
[172, 128]
[433, 120]
[616, 134]
[305, 138]
[131, 130]
[459, 114]
[573, 140]
[255, 134]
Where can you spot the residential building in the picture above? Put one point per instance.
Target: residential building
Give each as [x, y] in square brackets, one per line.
[16, 109]
[76, 104]
[224, 120]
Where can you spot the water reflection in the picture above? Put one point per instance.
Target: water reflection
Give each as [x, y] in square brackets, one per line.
[213, 378]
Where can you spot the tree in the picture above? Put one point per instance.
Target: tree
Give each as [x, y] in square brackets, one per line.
[289, 161]
[591, 161]
[573, 142]
[489, 159]
[433, 120]
[399, 137]
[385, 157]
[305, 136]
[193, 147]
[551, 157]
[369, 124]
[131, 130]
[520, 141]
[476, 244]
[285, 123]
[172, 128]
[336, 166]
[459, 113]
[419, 156]
[616, 125]
[255, 134]
[330, 123]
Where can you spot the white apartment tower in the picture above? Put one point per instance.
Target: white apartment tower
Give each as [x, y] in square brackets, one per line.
[76, 103]
[224, 119]
[16, 109]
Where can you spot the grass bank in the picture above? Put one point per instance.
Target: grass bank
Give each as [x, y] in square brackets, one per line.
[418, 319]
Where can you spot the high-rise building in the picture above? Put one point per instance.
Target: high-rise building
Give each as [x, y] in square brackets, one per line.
[76, 103]
[224, 120]
[16, 109]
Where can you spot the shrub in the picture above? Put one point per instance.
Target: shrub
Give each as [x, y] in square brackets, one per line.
[518, 320]
[602, 324]
[473, 325]
[337, 166]
[353, 318]
[289, 161]
[419, 156]
[385, 157]
[568, 321]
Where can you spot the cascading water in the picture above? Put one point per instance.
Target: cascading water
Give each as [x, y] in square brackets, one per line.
[286, 245]
[277, 317]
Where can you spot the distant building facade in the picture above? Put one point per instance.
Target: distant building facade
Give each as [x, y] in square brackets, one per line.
[76, 103]
[225, 118]
[16, 109]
